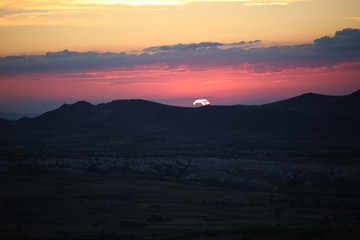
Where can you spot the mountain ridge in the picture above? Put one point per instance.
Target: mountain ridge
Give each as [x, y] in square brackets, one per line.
[13, 116]
[305, 121]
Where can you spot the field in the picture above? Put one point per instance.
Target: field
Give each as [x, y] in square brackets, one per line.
[133, 198]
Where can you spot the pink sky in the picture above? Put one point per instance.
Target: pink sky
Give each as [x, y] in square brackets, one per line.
[229, 51]
[224, 73]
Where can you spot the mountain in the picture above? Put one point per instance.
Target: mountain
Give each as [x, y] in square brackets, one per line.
[308, 121]
[16, 116]
[320, 103]
[304, 102]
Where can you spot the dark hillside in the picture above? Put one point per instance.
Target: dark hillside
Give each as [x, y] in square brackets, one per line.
[304, 102]
[319, 103]
[308, 121]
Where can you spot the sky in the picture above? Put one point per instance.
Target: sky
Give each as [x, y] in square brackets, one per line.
[175, 51]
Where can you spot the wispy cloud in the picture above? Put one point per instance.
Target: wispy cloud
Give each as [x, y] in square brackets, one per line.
[246, 43]
[182, 47]
[67, 12]
[283, 3]
[85, 4]
[354, 18]
[48, 17]
[35, 18]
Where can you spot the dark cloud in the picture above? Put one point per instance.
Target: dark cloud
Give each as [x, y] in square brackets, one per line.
[344, 40]
[245, 43]
[183, 47]
[67, 60]
[239, 43]
[344, 46]
[193, 46]
[255, 41]
[354, 67]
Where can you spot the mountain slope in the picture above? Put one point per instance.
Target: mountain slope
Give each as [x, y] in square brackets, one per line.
[306, 121]
[16, 116]
[307, 101]
[319, 103]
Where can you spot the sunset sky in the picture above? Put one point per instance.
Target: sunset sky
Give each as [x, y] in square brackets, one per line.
[174, 51]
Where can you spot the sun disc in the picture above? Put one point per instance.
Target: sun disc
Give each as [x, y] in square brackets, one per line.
[203, 102]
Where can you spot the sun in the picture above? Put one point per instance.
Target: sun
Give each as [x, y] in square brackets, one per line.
[203, 102]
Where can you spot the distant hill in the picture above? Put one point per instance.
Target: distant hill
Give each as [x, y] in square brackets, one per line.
[318, 102]
[17, 116]
[309, 121]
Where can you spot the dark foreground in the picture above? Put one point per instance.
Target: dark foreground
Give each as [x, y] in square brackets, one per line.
[182, 198]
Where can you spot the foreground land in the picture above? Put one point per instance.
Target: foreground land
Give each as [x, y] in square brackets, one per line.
[180, 198]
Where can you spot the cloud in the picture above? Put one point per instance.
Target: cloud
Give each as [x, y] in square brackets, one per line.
[354, 67]
[264, 3]
[48, 17]
[183, 47]
[326, 51]
[193, 46]
[354, 18]
[344, 40]
[66, 12]
[244, 42]
[86, 4]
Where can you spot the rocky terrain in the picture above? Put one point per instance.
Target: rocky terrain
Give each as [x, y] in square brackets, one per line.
[297, 174]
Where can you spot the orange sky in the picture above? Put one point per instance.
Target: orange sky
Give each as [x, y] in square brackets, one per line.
[35, 27]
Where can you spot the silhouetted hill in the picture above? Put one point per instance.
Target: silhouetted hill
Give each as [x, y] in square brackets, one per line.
[305, 102]
[119, 114]
[349, 103]
[320, 103]
[2, 120]
[309, 121]
[16, 116]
